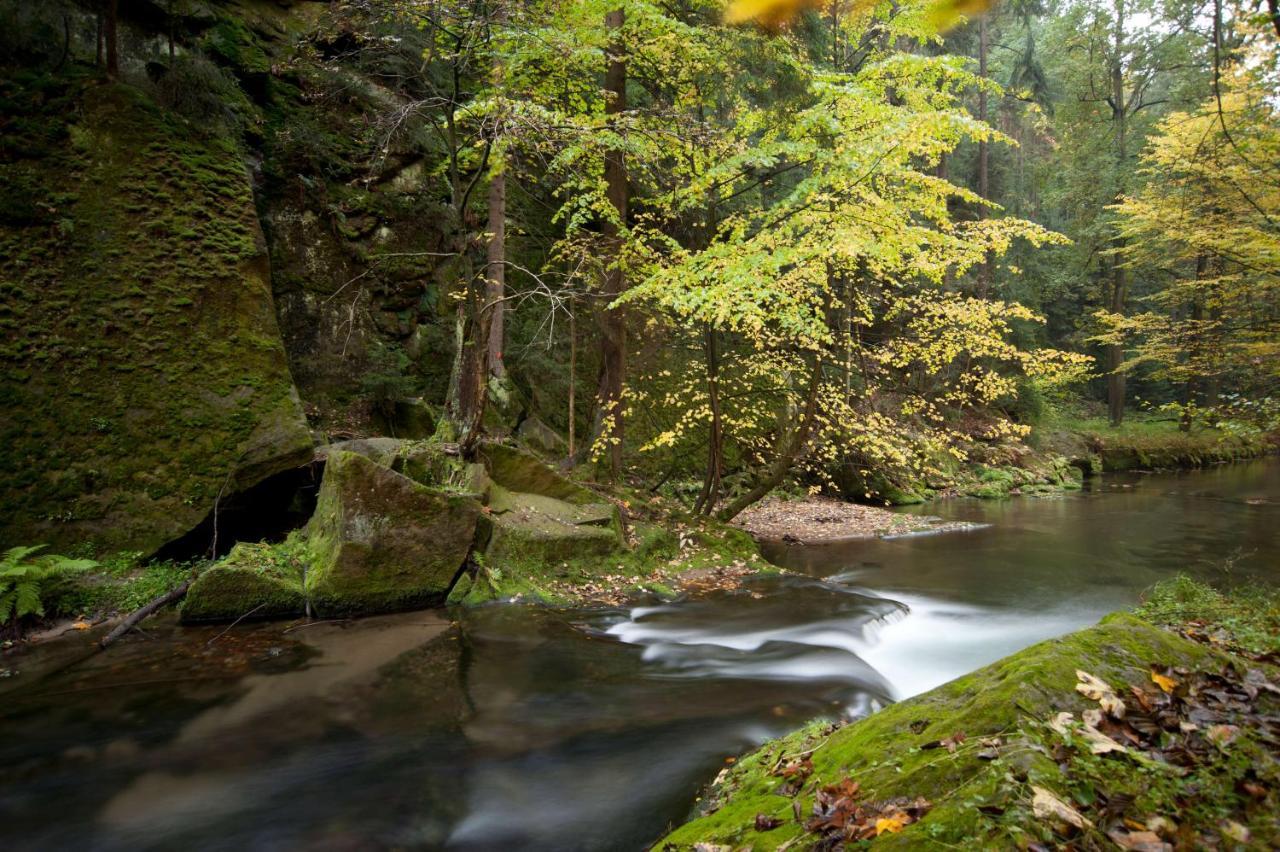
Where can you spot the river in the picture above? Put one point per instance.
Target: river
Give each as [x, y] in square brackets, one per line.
[513, 726]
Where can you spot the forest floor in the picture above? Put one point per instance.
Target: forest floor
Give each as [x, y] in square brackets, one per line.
[816, 520]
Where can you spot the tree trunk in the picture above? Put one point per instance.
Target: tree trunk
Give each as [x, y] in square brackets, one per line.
[1119, 109]
[715, 463]
[788, 451]
[984, 156]
[573, 376]
[613, 329]
[110, 37]
[496, 278]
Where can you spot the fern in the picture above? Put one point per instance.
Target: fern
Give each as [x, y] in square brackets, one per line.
[23, 575]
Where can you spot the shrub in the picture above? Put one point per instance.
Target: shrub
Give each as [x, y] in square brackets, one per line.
[24, 576]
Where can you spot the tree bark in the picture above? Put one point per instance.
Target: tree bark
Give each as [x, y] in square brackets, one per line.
[573, 377]
[496, 276]
[1119, 296]
[984, 156]
[110, 37]
[715, 462]
[612, 320]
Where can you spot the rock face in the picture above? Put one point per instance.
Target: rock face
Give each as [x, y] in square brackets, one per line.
[380, 541]
[142, 371]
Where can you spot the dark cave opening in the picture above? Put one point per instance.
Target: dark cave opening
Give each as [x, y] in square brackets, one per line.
[268, 511]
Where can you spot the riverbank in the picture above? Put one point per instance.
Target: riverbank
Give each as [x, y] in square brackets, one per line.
[1146, 442]
[523, 532]
[1149, 730]
[823, 520]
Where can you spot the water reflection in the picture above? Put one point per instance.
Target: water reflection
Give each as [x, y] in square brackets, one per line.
[515, 726]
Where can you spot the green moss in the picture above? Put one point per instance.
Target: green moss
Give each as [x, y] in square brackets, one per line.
[254, 580]
[1245, 617]
[155, 376]
[1144, 442]
[883, 752]
[380, 542]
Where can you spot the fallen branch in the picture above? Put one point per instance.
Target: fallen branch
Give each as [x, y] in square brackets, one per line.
[145, 610]
[242, 617]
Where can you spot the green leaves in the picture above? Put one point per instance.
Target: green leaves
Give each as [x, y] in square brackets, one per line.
[23, 574]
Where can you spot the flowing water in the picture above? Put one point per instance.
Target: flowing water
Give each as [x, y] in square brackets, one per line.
[521, 727]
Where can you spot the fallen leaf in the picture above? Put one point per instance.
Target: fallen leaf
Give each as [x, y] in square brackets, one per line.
[890, 824]
[765, 822]
[1100, 743]
[1222, 735]
[1061, 721]
[1100, 691]
[1140, 841]
[1045, 805]
[1165, 683]
[82, 625]
[1236, 831]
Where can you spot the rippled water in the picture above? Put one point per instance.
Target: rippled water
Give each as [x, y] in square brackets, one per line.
[521, 727]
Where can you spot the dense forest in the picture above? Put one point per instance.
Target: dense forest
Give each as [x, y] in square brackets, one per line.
[321, 309]
[847, 247]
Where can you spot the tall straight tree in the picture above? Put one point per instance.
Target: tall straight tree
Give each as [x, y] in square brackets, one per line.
[613, 324]
[1120, 106]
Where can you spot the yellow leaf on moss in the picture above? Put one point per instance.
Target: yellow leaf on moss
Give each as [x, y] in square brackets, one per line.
[1165, 683]
[889, 825]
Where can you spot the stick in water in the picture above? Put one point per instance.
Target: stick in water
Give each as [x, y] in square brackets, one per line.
[142, 612]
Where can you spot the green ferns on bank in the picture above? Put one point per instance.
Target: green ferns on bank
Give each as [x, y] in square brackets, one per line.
[26, 576]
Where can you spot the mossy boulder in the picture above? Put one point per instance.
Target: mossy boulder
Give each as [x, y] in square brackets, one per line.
[379, 541]
[884, 753]
[541, 438]
[413, 418]
[254, 580]
[518, 470]
[381, 451]
[539, 519]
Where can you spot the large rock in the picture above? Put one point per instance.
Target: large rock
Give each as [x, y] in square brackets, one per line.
[142, 372]
[521, 471]
[891, 753]
[380, 541]
[541, 438]
[531, 532]
[254, 581]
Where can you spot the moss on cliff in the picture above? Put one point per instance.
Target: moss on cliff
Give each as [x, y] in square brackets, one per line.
[143, 372]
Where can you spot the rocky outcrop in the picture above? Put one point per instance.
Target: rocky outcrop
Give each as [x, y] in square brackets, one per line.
[538, 518]
[254, 581]
[380, 541]
[142, 372]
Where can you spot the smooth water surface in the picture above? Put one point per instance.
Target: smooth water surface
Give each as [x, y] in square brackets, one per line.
[520, 727]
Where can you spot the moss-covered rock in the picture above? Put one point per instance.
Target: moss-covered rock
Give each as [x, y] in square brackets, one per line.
[254, 580]
[518, 470]
[541, 438]
[142, 371]
[884, 753]
[380, 541]
[381, 451]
